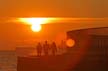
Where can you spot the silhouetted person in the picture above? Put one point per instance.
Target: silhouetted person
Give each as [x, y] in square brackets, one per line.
[63, 46]
[46, 48]
[39, 49]
[53, 48]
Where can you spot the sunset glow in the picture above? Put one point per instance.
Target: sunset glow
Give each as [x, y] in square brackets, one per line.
[35, 22]
[36, 27]
[32, 21]
[51, 20]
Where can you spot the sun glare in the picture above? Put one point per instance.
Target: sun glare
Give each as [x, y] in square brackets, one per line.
[36, 22]
[33, 21]
[70, 42]
[36, 27]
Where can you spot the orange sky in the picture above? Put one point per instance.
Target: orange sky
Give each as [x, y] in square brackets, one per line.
[10, 32]
[61, 8]
[19, 34]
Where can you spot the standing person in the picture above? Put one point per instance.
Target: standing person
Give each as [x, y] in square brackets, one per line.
[39, 49]
[63, 46]
[46, 48]
[53, 48]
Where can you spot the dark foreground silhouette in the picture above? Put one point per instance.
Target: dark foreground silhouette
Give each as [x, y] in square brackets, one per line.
[90, 53]
[62, 63]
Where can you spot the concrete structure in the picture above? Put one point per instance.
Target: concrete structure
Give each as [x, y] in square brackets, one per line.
[93, 44]
[88, 54]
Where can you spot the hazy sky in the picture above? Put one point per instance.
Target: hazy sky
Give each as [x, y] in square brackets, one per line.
[12, 34]
[62, 8]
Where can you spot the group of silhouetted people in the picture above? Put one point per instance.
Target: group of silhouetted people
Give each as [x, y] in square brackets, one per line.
[45, 48]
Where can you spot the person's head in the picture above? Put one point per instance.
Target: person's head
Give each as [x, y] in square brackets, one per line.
[46, 42]
[62, 41]
[39, 43]
[53, 43]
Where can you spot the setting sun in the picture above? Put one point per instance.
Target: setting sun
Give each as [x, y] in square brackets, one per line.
[36, 22]
[36, 27]
[32, 21]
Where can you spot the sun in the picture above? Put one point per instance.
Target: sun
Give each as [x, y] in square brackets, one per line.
[36, 28]
[32, 21]
[36, 22]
